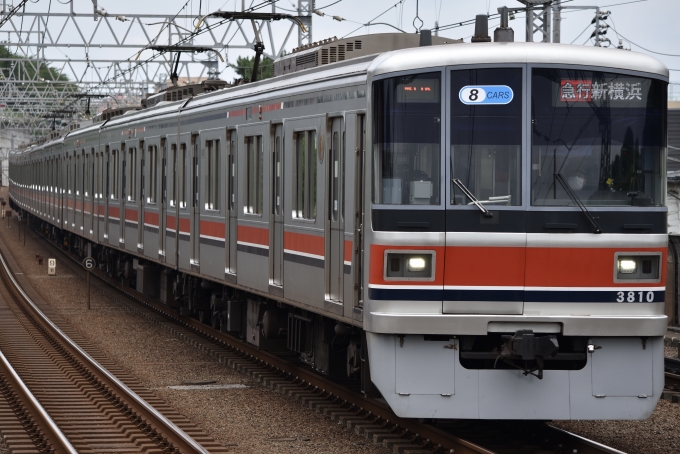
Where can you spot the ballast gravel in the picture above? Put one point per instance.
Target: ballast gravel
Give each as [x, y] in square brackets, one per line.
[250, 419]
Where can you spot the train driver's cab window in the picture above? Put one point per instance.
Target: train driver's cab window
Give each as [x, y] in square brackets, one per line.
[212, 183]
[407, 140]
[304, 197]
[254, 175]
[597, 137]
[486, 136]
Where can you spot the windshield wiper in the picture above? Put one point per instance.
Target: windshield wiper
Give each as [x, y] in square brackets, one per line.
[473, 199]
[572, 195]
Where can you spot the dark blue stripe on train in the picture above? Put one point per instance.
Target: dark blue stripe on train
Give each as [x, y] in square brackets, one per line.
[529, 296]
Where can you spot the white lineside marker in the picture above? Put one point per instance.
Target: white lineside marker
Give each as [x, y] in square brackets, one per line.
[51, 267]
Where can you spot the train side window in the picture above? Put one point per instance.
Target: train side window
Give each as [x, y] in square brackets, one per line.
[183, 176]
[254, 174]
[86, 174]
[100, 170]
[232, 171]
[172, 174]
[114, 175]
[84, 178]
[131, 176]
[152, 163]
[305, 175]
[107, 159]
[76, 189]
[212, 149]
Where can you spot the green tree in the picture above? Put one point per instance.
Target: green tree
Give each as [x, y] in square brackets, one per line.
[31, 66]
[244, 67]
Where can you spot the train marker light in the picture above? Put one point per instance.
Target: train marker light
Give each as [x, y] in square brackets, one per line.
[627, 265]
[416, 264]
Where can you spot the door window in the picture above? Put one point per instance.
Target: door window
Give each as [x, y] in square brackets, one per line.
[254, 174]
[304, 196]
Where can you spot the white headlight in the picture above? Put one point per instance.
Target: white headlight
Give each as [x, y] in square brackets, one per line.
[627, 266]
[416, 264]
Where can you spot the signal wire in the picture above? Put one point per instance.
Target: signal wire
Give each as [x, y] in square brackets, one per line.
[644, 48]
[376, 17]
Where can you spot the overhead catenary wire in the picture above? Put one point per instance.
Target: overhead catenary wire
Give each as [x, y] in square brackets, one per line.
[197, 32]
[376, 17]
[644, 48]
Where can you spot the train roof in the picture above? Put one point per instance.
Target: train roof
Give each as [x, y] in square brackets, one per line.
[517, 53]
[356, 70]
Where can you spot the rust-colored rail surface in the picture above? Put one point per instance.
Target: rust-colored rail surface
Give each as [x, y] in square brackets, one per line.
[96, 405]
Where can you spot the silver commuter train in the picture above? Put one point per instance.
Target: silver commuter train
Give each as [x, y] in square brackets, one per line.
[482, 224]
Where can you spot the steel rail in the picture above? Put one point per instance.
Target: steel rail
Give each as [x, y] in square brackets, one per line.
[435, 435]
[48, 428]
[170, 431]
[301, 374]
[589, 446]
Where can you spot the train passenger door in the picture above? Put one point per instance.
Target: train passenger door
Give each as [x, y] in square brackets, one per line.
[276, 220]
[60, 191]
[172, 206]
[335, 225]
[141, 200]
[195, 207]
[359, 212]
[93, 195]
[163, 200]
[123, 193]
[105, 191]
[80, 175]
[183, 204]
[232, 204]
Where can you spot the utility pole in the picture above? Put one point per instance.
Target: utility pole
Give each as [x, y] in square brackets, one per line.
[556, 21]
[305, 9]
[538, 19]
[600, 29]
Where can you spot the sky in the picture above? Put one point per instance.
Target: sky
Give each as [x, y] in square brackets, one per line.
[651, 24]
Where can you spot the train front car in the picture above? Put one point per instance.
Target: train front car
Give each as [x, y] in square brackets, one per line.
[517, 241]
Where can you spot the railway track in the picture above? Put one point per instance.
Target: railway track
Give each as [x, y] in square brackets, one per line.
[85, 404]
[672, 372]
[365, 416]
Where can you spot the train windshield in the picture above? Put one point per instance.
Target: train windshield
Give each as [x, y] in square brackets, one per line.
[407, 140]
[598, 135]
[486, 136]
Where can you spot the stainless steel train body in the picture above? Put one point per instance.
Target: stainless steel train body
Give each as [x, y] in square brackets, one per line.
[448, 215]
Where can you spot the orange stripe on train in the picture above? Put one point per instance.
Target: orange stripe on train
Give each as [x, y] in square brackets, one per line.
[580, 267]
[254, 235]
[213, 229]
[302, 242]
[517, 267]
